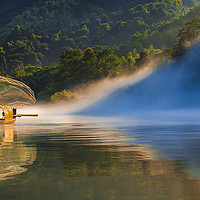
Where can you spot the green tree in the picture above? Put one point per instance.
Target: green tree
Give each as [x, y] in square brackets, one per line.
[64, 95]
[78, 67]
[187, 35]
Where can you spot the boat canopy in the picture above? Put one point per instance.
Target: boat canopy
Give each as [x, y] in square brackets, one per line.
[15, 93]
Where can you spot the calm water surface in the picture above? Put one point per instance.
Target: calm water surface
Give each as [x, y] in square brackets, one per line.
[80, 158]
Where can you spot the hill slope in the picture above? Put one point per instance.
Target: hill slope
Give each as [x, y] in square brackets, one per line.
[46, 28]
[36, 33]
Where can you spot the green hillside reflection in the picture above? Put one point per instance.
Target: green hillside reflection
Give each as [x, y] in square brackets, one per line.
[90, 163]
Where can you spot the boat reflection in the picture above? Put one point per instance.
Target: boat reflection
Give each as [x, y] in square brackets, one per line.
[14, 155]
[84, 162]
[9, 135]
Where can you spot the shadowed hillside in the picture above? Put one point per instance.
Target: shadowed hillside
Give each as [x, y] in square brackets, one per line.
[35, 35]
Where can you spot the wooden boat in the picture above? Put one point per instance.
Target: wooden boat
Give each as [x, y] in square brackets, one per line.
[9, 114]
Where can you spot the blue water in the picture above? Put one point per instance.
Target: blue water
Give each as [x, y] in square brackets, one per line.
[150, 156]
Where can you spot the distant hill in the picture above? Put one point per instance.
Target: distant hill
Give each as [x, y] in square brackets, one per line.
[12, 8]
[51, 16]
[33, 34]
[36, 32]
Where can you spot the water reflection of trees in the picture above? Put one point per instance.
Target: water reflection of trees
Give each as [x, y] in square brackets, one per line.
[90, 153]
[93, 166]
[122, 171]
[105, 162]
[13, 155]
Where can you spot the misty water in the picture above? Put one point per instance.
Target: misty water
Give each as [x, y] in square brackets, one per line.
[151, 156]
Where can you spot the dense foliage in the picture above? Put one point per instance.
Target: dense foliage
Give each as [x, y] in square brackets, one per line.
[63, 96]
[36, 33]
[187, 35]
[78, 66]
[92, 23]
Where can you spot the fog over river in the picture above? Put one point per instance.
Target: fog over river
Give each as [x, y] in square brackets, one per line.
[174, 85]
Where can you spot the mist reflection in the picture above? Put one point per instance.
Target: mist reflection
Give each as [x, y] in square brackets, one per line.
[86, 161]
[112, 170]
[14, 155]
[105, 155]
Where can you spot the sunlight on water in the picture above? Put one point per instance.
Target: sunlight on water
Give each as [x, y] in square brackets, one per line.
[78, 157]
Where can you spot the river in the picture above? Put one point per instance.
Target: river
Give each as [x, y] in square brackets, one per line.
[155, 156]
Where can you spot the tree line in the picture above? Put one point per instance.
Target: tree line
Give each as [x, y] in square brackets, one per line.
[35, 59]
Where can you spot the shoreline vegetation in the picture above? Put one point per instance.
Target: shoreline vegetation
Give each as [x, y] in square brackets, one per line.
[53, 48]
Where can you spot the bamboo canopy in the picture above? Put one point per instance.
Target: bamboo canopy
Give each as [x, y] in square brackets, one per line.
[15, 93]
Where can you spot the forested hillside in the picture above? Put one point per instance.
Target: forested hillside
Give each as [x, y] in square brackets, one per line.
[121, 36]
[91, 22]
